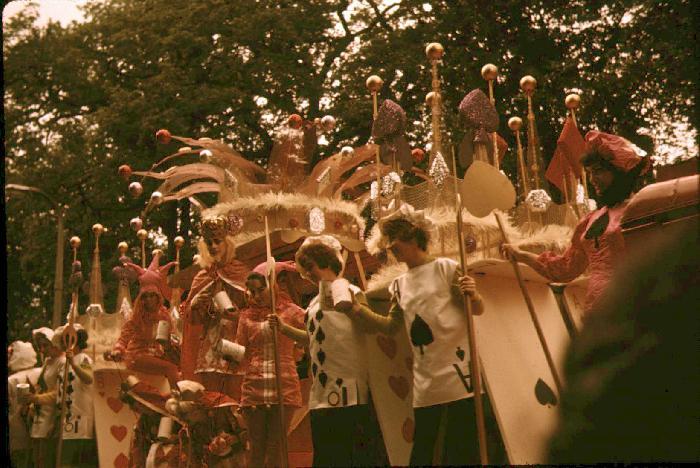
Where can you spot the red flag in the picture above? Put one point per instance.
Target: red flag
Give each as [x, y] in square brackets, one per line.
[572, 145]
[557, 168]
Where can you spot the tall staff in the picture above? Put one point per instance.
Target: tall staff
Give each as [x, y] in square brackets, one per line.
[179, 242]
[489, 72]
[474, 367]
[271, 281]
[434, 51]
[374, 84]
[70, 339]
[142, 235]
[528, 85]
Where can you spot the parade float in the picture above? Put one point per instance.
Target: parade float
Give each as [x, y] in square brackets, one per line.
[521, 339]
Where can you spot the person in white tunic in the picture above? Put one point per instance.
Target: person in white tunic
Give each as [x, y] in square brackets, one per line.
[21, 363]
[43, 400]
[343, 429]
[428, 300]
[78, 425]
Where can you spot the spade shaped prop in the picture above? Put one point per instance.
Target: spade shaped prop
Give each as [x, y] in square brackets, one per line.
[485, 189]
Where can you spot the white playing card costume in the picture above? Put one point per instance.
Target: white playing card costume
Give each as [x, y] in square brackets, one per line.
[79, 422]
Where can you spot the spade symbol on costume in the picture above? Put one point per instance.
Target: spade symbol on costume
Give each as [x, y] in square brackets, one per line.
[312, 327]
[323, 378]
[70, 388]
[421, 335]
[71, 377]
[339, 381]
[319, 315]
[314, 369]
[321, 356]
[460, 353]
[320, 336]
[544, 393]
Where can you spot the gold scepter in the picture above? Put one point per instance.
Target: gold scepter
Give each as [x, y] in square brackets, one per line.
[489, 72]
[374, 84]
[473, 353]
[271, 281]
[528, 85]
[434, 51]
[515, 124]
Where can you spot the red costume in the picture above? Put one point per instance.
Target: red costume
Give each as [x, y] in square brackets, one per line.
[137, 340]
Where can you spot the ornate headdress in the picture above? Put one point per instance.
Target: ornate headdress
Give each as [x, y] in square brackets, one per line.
[155, 277]
[220, 226]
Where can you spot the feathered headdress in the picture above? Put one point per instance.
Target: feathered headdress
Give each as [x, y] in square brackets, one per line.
[155, 277]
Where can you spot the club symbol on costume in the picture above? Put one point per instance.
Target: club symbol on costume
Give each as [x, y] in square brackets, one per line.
[544, 393]
[320, 336]
[460, 353]
[323, 378]
[314, 369]
[421, 335]
[321, 356]
[312, 327]
[339, 381]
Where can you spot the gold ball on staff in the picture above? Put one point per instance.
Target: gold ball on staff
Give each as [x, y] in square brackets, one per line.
[75, 242]
[98, 229]
[157, 252]
[434, 51]
[179, 241]
[431, 97]
[515, 123]
[122, 247]
[374, 83]
[142, 234]
[528, 83]
[572, 101]
[489, 72]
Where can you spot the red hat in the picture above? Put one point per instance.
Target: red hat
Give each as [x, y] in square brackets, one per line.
[279, 267]
[619, 151]
[155, 277]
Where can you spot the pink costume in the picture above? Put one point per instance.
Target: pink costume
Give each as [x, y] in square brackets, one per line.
[255, 334]
[597, 242]
[138, 335]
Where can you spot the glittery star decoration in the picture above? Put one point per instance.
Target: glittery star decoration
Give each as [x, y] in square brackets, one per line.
[538, 201]
[438, 170]
[389, 183]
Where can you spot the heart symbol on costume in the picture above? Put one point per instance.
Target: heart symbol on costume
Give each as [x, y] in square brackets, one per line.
[387, 345]
[119, 432]
[409, 363]
[399, 385]
[121, 461]
[115, 404]
[407, 430]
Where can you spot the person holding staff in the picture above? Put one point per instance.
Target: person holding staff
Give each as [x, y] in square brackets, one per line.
[597, 243]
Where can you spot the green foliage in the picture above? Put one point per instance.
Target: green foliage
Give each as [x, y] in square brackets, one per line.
[83, 99]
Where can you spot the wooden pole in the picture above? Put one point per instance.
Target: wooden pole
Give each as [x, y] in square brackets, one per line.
[531, 309]
[70, 339]
[473, 353]
[272, 277]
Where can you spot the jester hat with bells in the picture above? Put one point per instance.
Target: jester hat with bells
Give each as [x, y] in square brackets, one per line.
[155, 277]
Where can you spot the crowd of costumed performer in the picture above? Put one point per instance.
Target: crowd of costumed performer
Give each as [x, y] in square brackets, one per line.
[205, 323]
[597, 243]
[259, 399]
[137, 344]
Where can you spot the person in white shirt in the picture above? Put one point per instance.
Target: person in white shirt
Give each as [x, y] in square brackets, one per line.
[343, 429]
[78, 425]
[43, 400]
[23, 373]
[429, 300]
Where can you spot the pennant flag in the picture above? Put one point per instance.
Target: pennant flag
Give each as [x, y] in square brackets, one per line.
[557, 169]
[572, 145]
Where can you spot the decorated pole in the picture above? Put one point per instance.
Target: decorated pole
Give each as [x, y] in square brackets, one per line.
[374, 84]
[515, 124]
[572, 102]
[528, 85]
[434, 51]
[530, 308]
[142, 235]
[70, 340]
[489, 72]
[271, 281]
